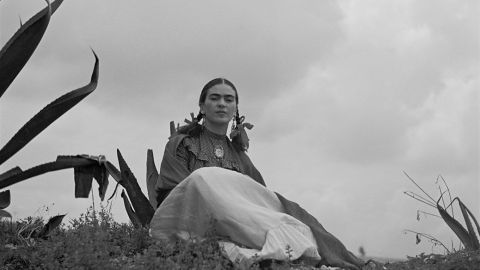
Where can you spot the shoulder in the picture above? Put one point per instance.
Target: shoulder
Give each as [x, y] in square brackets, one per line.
[174, 141]
[182, 143]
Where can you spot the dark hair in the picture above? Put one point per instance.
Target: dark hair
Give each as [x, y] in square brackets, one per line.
[212, 83]
[195, 128]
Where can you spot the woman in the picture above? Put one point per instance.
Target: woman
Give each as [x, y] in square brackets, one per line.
[208, 182]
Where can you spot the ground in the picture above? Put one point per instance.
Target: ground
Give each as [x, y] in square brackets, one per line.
[459, 260]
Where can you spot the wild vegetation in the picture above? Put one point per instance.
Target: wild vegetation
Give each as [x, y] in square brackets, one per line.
[13, 57]
[467, 235]
[96, 241]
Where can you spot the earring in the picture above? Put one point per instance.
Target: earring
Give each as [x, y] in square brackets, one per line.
[234, 124]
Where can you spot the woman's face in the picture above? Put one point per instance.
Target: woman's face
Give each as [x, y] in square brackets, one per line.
[220, 105]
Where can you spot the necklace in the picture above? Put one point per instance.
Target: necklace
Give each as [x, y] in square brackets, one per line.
[218, 151]
[217, 142]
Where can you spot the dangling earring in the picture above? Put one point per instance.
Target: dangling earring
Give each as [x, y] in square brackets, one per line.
[203, 118]
[234, 123]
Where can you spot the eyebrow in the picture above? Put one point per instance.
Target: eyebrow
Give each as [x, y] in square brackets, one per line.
[218, 95]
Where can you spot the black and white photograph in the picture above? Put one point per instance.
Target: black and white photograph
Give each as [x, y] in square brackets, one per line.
[239, 134]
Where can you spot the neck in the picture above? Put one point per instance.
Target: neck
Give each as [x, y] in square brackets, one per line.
[217, 129]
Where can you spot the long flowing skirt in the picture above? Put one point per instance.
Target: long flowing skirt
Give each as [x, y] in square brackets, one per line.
[249, 217]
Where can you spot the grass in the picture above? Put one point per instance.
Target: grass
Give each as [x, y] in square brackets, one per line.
[461, 260]
[96, 241]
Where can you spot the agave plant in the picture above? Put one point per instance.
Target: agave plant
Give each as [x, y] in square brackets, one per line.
[468, 235]
[13, 57]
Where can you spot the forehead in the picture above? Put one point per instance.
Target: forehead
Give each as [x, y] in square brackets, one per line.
[221, 89]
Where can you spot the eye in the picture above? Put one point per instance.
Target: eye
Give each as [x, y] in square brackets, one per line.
[213, 97]
[229, 99]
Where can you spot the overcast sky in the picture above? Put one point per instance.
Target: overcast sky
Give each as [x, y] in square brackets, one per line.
[344, 96]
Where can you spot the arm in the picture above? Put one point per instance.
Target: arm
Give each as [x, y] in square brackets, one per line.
[174, 167]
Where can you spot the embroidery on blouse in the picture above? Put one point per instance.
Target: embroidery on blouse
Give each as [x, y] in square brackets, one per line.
[212, 150]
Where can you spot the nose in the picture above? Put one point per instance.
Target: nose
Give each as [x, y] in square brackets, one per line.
[221, 103]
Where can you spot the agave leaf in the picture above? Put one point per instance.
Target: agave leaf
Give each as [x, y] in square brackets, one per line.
[474, 219]
[10, 172]
[100, 174]
[4, 213]
[83, 181]
[62, 162]
[471, 231]
[114, 191]
[113, 171]
[47, 116]
[456, 227]
[140, 203]
[173, 130]
[131, 214]
[84, 176]
[152, 175]
[52, 223]
[16, 52]
[4, 199]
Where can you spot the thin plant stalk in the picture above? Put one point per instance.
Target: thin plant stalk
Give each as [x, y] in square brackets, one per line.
[419, 198]
[413, 181]
[429, 237]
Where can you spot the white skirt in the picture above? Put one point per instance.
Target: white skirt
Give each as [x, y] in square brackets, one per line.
[228, 204]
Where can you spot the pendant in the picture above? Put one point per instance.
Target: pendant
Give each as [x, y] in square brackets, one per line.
[219, 151]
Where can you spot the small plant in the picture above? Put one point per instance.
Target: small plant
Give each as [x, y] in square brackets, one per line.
[468, 235]
[13, 57]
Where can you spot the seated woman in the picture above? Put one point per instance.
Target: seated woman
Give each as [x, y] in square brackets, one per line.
[207, 183]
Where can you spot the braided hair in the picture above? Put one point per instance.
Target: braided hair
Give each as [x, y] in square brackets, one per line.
[194, 128]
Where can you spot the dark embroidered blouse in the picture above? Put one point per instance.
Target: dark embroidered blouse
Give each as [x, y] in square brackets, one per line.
[198, 152]
[186, 153]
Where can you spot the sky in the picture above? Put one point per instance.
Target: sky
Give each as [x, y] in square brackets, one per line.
[345, 97]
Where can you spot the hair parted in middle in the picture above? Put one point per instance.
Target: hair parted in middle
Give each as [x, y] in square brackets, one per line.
[203, 96]
[194, 128]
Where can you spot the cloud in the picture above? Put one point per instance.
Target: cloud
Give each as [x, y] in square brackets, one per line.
[447, 138]
[344, 96]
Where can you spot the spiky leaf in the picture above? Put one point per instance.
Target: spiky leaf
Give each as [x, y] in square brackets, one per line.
[140, 203]
[10, 173]
[47, 116]
[83, 177]
[18, 50]
[113, 171]
[172, 128]
[456, 227]
[152, 175]
[131, 214]
[100, 174]
[62, 162]
[4, 199]
[471, 231]
[52, 223]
